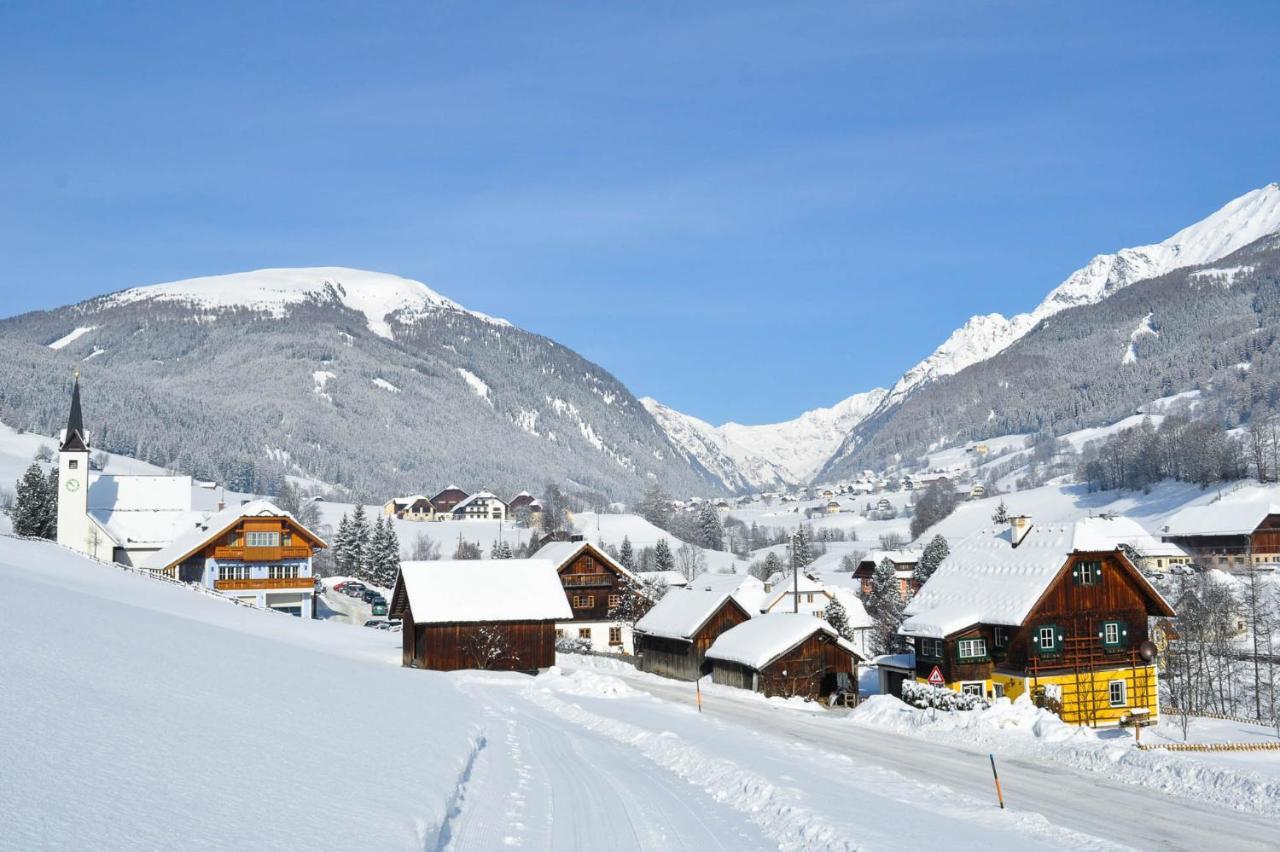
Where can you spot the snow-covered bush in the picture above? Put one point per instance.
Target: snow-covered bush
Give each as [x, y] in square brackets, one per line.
[925, 696]
[575, 645]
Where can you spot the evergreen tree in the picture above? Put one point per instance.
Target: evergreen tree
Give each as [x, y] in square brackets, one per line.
[359, 543]
[501, 550]
[772, 564]
[32, 506]
[939, 501]
[386, 549]
[626, 555]
[884, 604]
[710, 530]
[656, 507]
[801, 552]
[663, 559]
[342, 547]
[838, 618]
[50, 530]
[934, 553]
[1001, 514]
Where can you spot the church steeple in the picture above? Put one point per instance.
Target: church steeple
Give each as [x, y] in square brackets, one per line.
[75, 439]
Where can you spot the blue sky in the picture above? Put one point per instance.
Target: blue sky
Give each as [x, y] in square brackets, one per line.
[745, 210]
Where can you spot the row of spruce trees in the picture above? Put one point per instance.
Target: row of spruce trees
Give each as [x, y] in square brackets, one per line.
[367, 552]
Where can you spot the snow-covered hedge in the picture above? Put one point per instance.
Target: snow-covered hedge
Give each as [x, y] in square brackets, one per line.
[940, 698]
[567, 645]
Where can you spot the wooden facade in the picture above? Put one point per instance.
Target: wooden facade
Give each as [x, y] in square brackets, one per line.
[523, 646]
[594, 586]
[809, 670]
[447, 499]
[687, 659]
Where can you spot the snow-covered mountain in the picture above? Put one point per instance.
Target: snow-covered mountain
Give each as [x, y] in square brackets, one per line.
[768, 455]
[368, 381]
[1240, 222]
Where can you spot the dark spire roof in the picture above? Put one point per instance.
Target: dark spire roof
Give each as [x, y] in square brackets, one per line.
[74, 439]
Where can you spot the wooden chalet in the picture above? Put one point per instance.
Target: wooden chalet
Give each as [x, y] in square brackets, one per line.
[784, 654]
[255, 551]
[1057, 611]
[904, 566]
[498, 614]
[1229, 536]
[446, 500]
[673, 637]
[604, 597]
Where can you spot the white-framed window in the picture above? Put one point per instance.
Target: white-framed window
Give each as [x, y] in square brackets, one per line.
[930, 648]
[280, 572]
[971, 688]
[262, 539]
[1111, 633]
[233, 572]
[1001, 636]
[972, 649]
[1118, 692]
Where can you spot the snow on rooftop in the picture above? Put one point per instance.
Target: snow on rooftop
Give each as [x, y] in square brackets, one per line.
[469, 590]
[986, 580]
[763, 639]
[562, 552]
[1221, 518]
[682, 611]
[377, 295]
[202, 526]
[135, 493]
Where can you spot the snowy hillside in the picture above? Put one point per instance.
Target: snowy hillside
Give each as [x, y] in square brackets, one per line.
[763, 456]
[1240, 222]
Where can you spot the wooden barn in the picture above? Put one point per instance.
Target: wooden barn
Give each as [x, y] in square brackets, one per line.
[784, 654]
[672, 638]
[495, 614]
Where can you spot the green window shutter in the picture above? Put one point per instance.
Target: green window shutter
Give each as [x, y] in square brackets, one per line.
[1113, 634]
[1045, 642]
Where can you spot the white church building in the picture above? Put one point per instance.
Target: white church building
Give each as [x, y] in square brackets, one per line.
[254, 551]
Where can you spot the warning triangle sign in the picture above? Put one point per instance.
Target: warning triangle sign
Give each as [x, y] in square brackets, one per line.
[935, 677]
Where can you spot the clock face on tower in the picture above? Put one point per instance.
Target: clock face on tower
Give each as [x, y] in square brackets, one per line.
[72, 485]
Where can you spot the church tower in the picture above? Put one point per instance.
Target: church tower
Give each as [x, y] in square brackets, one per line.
[73, 480]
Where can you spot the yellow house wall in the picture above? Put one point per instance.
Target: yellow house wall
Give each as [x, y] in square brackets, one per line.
[1141, 686]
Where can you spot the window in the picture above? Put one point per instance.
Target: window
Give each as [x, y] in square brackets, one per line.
[584, 633]
[615, 635]
[584, 601]
[1118, 693]
[280, 572]
[998, 690]
[588, 565]
[615, 601]
[262, 539]
[559, 633]
[972, 688]
[1112, 634]
[72, 464]
[930, 648]
[233, 572]
[1088, 573]
[808, 598]
[972, 649]
[1001, 636]
[1047, 639]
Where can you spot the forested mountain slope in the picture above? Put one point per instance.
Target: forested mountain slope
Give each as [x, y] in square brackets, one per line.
[367, 381]
[1212, 327]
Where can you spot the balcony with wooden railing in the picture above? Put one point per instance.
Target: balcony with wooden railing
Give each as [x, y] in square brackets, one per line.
[579, 581]
[240, 553]
[300, 583]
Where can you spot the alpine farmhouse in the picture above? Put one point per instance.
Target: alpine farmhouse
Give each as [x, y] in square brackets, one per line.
[1056, 610]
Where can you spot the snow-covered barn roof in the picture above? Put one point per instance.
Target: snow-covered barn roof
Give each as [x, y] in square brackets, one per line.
[760, 641]
[1221, 518]
[201, 528]
[138, 493]
[470, 590]
[986, 580]
[474, 498]
[564, 552]
[681, 612]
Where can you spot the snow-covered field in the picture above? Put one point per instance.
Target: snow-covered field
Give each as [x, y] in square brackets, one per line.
[146, 715]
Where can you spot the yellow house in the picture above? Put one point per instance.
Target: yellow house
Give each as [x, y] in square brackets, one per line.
[1057, 611]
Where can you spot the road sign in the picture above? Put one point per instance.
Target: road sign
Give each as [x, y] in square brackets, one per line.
[935, 677]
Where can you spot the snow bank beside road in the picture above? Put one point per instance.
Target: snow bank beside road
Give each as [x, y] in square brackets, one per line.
[1019, 728]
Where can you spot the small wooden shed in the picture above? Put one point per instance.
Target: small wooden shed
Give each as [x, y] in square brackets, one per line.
[495, 614]
[672, 639]
[784, 654]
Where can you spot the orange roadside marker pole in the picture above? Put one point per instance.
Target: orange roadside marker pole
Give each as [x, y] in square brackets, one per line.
[698, 685]
[996, 775]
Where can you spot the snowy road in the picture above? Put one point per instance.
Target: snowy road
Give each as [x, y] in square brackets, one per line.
[565, 768]
[1135, 816]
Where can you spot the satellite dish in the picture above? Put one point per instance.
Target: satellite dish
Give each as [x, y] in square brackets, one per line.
[1148, 650]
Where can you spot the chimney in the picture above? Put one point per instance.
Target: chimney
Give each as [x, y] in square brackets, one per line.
[1018, 526]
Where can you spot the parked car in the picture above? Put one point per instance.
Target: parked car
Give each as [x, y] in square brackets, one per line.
[353, 590]
[371, 595]
[376, 624]
[379, 607]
